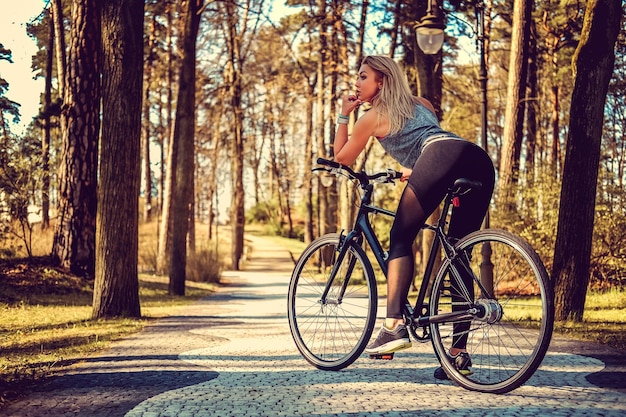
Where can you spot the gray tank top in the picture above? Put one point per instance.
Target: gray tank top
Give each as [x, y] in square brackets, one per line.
[406, 145]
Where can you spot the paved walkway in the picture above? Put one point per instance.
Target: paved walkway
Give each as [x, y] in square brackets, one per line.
[232, 355]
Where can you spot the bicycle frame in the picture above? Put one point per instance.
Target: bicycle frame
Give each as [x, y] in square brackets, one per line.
[363, 230]
[332, 314]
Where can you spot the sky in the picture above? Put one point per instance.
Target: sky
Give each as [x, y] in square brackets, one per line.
[23, 88]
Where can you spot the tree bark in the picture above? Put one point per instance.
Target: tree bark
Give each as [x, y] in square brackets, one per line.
[59, 36]
[116, 290]
[514, 114]
[593, 64]
[74, 238]
[45, 131]
[145, 145]
[184, 128]
[233, 77]
[532, 109]
[168, 160]
[308, 166]
[323, 150]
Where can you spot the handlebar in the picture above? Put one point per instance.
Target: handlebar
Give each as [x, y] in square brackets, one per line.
[364, 179]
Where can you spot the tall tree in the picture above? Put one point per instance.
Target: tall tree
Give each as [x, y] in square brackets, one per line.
[592, 65]
[233, 74]
[560, 26]
[516, 92]
[146, 127]
[168, 156]
[116, 289]
[74, 237]
[321, 13]
[183, 136]
[56, 8]
[45, 129]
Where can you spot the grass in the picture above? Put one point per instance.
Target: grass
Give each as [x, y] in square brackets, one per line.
[45, 312]
[604, 319]
[37, 336]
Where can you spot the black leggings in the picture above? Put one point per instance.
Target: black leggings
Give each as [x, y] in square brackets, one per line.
[439, 165]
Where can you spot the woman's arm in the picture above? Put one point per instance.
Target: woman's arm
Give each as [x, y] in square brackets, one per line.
[347, 149]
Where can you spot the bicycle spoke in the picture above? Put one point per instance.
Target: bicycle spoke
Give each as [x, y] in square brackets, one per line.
[332, 331]
[508, 340]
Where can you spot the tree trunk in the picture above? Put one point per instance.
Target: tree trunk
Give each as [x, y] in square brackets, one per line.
[116, 290]
[308, 166]
[320, 120]
[331, 98]
[532, 106]
[145, 145]
[165, 228]
[45, 131]
[233, 78]
[74, 238]
[514, 114]
[555, 150]
[59, 37]
[167, 176]
[593, 65]
[184, 127]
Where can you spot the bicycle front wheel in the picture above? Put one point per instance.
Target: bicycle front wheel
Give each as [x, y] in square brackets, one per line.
[332, 315]
[509, 332]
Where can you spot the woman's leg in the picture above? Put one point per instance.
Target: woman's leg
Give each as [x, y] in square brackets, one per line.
[400, 266]
[468, 218]
[409, 217]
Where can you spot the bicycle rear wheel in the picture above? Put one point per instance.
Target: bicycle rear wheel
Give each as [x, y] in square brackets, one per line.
[509, 335]
[332, 332]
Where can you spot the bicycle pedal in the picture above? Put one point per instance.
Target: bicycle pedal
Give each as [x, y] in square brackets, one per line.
[383, 356]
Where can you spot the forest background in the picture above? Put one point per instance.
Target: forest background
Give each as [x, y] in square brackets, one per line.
[162, 111]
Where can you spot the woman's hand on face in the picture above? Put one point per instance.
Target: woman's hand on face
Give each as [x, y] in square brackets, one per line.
[406, 173]
[349, 102]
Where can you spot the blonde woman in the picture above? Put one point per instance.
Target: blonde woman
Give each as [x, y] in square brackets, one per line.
[431, 159]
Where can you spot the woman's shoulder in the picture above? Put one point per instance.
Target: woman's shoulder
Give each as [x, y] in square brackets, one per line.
[426, 103]
[375, 122]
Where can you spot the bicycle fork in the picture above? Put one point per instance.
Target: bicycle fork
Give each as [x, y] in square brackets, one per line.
[343, 250]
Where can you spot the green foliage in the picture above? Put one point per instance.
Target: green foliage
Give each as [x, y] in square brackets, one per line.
[536, 216]
[7, 105]
[262, 212]
[19, 174]
[608, 257]
[268, 214]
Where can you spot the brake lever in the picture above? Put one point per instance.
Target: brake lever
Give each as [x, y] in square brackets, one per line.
[393, 175]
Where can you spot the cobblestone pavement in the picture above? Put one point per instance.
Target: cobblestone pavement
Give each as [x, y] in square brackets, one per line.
[232, 355]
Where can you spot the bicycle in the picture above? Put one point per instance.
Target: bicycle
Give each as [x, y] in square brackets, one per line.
[506, 312]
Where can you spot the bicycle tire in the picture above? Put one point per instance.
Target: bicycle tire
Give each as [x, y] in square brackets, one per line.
[507, 344]
[332, 335]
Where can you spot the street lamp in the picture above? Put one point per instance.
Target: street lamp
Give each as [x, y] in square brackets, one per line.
[429, 30]
[429, 34]
[486, 266]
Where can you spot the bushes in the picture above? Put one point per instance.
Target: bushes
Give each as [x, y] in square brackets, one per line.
[204, 266]
[536, 216]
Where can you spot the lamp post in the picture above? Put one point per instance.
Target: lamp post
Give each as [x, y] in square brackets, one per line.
[486, 266]
[429, 30]
[429, 34]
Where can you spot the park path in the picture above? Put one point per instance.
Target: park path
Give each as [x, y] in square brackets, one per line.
[232, 355]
